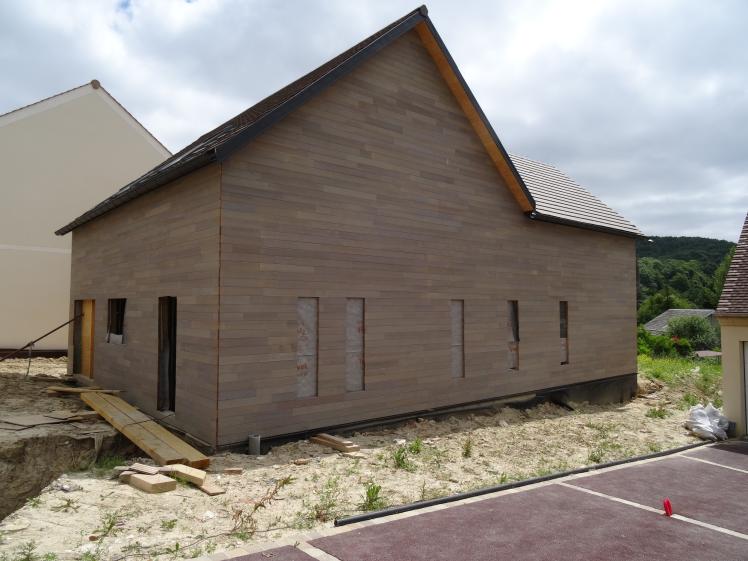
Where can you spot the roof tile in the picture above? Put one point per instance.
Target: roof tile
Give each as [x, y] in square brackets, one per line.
[734, 298]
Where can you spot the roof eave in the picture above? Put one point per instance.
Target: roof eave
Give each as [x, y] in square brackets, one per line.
[585, 225]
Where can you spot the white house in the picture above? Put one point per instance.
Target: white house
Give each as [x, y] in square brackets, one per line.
[58, 157]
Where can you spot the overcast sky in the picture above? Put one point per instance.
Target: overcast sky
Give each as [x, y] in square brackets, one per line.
[645, 103]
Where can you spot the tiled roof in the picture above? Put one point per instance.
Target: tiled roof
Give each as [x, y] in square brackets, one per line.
[560, 198]
[658, 325]
[556, 197]
[734, 298]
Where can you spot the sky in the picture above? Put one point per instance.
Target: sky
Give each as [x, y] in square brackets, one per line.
[643, 102]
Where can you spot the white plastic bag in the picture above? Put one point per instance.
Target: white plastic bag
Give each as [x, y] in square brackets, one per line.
[707, 422]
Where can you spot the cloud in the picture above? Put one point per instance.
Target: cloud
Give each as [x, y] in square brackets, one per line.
[644, 103]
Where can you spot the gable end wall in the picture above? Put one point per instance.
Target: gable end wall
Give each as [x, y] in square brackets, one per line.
[378, 188]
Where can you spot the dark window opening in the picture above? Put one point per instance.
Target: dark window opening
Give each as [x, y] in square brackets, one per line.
[564, 330]
[513, 327]
[167, 353]
[457, 312]
[116, 321]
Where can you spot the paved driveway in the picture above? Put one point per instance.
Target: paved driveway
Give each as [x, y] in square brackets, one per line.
[615, 514]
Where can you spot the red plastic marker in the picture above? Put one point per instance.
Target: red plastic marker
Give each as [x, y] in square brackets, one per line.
[668, 507]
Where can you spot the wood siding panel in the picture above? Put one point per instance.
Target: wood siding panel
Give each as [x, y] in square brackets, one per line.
[378, 188]
[164, 243]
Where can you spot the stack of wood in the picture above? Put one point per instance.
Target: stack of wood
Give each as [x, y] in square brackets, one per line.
[153, 479]
[335, 442]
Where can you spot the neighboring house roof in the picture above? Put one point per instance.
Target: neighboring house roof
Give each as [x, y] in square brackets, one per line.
[734, 298]
[558, 198]
[62, 97]
[217, 145]
[658, 325]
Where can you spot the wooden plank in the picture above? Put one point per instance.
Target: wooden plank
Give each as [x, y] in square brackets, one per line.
[193, 475]
[124, 476]
[136, 433]
[211, 489]
[334, 443]
[31, 420]
[192, 457]
[67, 389]
[152, 483]
[142, 468]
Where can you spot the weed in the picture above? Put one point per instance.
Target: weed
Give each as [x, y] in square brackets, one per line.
[49, 557]
[416, 446]
[401, 460]
[467, 447]
[105, 464]
[654, 446]
[658, 412]
[26, 552]
[67, 505]
[690, 399]
[596, 455]
[34, 502]
[503, 478]
[372, 497]
[326, 506]
[170, 524]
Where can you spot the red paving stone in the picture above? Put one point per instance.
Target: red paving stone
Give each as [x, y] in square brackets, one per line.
[733, 454]
[287, 553]
[705, 492]
[546, 523]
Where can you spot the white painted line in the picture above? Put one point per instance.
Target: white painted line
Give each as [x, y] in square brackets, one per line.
[316, 553]
[715, 464]
[659, 511]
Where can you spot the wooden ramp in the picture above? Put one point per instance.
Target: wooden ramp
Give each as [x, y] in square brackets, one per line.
[144, 432]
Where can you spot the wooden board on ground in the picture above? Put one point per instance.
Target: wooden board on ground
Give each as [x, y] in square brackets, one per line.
[193, 475]
[31, 420]
[68, 389]
[142, 468]
[144, 432]
[9, 426]
[152, 483]
[211, 489]
[334, 442]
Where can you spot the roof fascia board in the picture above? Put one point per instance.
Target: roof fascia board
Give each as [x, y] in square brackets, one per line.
[227, 149]
[573, 223]
[465, 98]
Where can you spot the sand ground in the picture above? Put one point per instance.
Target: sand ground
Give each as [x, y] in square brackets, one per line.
[88, 516]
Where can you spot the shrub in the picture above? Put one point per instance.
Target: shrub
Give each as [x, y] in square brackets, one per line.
[698, 330]
[373, 499]
[654, 345]
[682, 346]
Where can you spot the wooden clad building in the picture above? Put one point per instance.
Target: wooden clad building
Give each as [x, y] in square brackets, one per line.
[356, 246]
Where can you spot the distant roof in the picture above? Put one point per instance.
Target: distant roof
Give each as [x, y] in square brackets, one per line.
[658, 325]
[558, 198]
[72, 93]
[542, 191]
[734, 298]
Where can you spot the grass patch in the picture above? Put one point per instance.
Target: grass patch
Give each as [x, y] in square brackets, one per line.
[700, 380]
[416, 446]
[658, 412]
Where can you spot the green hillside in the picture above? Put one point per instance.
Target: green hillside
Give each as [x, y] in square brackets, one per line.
[680, 272]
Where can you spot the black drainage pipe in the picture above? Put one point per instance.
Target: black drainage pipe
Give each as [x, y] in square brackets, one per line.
[495, 489]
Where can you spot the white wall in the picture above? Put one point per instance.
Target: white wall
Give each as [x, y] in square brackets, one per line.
[58, 158]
